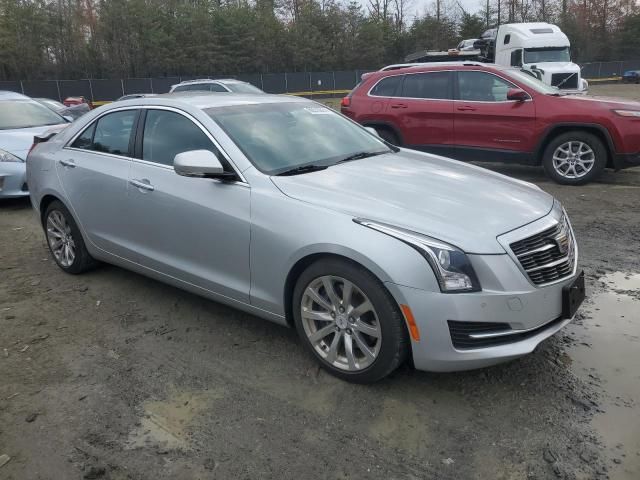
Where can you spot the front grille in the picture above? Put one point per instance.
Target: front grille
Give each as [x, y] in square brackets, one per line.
[461, 333]
[558, 78]
[549, 255]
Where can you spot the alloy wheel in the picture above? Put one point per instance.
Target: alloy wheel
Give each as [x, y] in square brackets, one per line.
[60, 239]
[573, 159]
[341, 323]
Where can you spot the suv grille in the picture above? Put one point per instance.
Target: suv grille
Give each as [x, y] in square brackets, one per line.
[558, 78]
[549, 255]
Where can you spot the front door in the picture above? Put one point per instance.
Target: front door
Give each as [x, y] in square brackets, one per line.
[94, 170]
[193, 229]
[488, 126]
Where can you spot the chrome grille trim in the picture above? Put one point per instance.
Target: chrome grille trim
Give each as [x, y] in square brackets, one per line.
[548, 256]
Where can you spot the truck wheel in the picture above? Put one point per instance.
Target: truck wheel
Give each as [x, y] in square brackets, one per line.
[574, 158]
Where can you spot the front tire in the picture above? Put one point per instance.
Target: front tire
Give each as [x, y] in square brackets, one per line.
[65, 241]
[388, 136]
[349, 321]
[574, 158]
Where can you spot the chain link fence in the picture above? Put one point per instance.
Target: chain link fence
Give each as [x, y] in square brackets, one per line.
[600, 70]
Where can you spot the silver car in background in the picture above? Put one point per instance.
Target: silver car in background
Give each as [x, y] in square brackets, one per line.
[21, 118]
[71, 112]
[286, 209]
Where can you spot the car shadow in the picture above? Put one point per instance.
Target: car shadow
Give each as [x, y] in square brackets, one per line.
[15, 203]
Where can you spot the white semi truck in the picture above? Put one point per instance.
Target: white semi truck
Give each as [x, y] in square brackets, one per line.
[540, 49]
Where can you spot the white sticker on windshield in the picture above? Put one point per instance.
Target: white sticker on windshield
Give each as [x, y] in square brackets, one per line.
[318, 110]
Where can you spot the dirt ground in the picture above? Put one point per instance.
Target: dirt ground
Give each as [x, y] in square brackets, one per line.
[112, 375]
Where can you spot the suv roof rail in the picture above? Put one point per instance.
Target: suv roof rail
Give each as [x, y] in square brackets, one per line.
[196, 80]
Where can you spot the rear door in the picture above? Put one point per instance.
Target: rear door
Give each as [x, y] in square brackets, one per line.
[378, 98]
[487, 125]
[93, 169]
[423, 111]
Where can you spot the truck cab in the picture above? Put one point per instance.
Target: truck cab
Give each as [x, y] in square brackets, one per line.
[540, 49]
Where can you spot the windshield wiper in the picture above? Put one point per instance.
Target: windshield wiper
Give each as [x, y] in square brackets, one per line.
[302, 169]
[358, 156]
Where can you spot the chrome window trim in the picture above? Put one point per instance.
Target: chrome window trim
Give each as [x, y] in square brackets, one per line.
[156, 107]
[530, 99]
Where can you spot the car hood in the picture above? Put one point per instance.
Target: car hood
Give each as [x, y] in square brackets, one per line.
[558, 67]
[19, 141]
[605, 102]
[461, 204]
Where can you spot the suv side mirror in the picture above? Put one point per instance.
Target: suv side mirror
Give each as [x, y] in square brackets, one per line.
[199, 163]
[517, 95]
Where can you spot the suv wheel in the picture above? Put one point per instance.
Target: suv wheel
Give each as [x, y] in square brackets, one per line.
[388, 135]
[574, 158]
[349, 321]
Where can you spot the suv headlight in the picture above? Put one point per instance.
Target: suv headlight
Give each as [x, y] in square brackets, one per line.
[8, 157]
[450, 264]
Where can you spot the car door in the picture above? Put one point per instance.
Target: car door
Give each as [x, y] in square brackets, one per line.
[93, 170]
[424, 111]
[487, 125]
[193, 229]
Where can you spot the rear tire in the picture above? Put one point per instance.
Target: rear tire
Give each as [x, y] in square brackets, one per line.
[388, 136]
[65, 240]
[574, 158]
[349, 321]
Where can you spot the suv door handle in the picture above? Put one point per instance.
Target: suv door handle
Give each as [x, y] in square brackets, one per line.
[467, 108]
[142, 184]
[399, 105]
[68, 163]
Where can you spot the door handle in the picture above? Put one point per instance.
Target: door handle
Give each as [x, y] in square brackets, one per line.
[399, 105]
[467, 108]
[142, 184]
[68, 163]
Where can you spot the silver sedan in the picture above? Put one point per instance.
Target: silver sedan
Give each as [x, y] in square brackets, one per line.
[286, 209]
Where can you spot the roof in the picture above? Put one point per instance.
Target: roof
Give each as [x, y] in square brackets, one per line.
[8, 95]
[209, 80]
[202, 100]
[427, 67]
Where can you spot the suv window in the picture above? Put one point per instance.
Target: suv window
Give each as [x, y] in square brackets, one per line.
[434, 85]
[387, 87]
[216, 87]
[168, 133]
[110, 134]
[482, 87]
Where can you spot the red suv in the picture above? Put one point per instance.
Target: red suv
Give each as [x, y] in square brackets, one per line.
[473, 111]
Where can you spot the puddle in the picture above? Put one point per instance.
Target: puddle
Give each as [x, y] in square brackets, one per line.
[167, 423]
[608, 354]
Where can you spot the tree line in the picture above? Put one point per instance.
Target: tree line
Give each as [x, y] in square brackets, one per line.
[69, 39]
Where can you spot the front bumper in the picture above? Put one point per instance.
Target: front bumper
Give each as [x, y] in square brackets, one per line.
[13, 180]
[524, 307]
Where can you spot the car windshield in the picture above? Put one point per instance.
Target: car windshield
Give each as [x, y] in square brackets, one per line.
[243, 88]
[25, 114]
[530, 81]
[547, 54]
[279, 137]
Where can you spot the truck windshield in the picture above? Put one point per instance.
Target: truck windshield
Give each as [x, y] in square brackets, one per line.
[532, 82]
[547, 54]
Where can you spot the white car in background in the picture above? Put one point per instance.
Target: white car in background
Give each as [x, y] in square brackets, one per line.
[222, 85]
[21, 118]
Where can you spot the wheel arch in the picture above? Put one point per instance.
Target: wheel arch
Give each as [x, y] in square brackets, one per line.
[598, 130]
[45, 201]
[386, 125]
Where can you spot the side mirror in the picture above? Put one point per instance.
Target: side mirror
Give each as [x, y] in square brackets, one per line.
[199, 163]
[517, 95]
[372, 130]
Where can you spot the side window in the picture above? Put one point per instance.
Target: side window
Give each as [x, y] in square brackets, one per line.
[110, 134]
[168, 133]
[85, 140]
[434, 85]
[387, 87]
[216, 87]
[507, 39]
[113, 132]
[181, 88]
[482, 87]
[516, 58]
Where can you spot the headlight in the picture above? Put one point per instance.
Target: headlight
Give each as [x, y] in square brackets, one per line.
[450, 264]
[628, 113]
[8, 157]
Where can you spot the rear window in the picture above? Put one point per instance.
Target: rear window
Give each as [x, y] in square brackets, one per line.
[387, 87]
[243, 88]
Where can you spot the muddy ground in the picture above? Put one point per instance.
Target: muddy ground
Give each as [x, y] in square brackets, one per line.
[112, 375]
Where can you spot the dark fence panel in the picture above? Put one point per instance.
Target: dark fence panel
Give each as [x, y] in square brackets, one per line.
[630, 65]
[41, 88]
[75, 88]
[105, 90]
[321, 81]
[137, 85]
[11, 86]
[163, 85]
[274, 83]
[346, 80]
[298, 82]
[252, 78]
